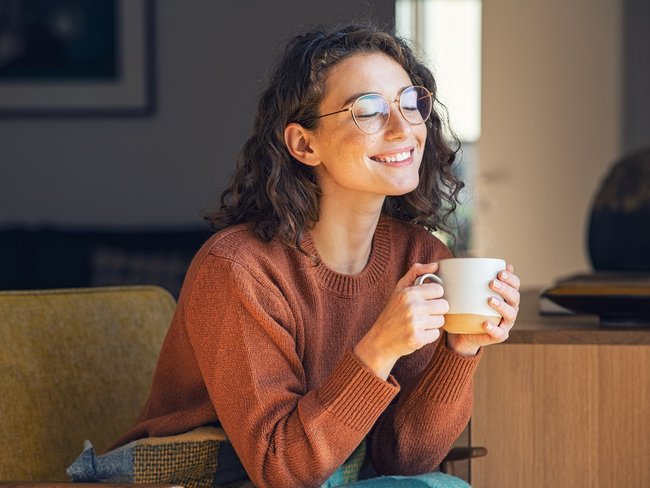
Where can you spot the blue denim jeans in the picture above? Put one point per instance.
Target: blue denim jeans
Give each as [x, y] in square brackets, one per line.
[428, 480]
[357, 472]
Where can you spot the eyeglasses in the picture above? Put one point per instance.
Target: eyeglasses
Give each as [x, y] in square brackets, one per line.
[371, 111]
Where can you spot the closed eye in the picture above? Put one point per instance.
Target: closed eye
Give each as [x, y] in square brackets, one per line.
[368, 115]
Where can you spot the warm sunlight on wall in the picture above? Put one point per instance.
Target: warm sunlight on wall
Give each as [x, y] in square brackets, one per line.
[447, 34]
[552, 83]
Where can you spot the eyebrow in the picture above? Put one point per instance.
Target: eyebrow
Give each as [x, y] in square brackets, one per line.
[352, 98]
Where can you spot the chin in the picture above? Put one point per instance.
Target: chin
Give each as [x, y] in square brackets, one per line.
[403, 190]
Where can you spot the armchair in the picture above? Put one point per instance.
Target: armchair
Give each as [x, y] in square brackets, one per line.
[77, 364]
[74, 365]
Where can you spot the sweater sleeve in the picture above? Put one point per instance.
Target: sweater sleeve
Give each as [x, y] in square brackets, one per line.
[417, 431]
[245, 340]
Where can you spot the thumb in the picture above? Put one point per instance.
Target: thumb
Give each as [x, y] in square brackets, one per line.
[417, 269]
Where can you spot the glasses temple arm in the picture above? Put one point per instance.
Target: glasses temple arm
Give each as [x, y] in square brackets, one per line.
[331, 113]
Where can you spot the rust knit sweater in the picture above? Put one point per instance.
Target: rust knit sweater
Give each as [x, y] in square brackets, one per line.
[262, 341]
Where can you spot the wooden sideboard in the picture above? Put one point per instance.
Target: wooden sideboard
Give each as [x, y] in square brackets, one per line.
[563, 403]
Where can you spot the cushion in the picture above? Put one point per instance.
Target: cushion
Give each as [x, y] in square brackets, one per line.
[201, 458]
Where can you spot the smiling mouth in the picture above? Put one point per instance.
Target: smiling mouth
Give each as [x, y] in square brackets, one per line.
[392, 158]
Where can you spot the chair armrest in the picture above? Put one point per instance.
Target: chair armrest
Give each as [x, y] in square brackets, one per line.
[460, 454]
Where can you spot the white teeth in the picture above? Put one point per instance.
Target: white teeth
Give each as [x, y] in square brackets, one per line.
[394, 158]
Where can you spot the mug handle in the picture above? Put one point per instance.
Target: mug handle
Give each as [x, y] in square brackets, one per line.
[428, 276]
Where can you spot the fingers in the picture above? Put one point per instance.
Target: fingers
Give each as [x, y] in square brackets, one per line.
[431, 335]
[428, 291]
[507, 292]
[508, 276]
[423, 300]
[508, 312]
[436, 307]
[507, 286]
[417, 269]
[498, 334]
[434, 322]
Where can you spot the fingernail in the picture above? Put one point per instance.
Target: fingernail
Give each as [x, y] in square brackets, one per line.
[496, 284]
[504, 275]
[489, 326]
[495, 301]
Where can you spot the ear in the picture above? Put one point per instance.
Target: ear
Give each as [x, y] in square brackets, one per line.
[299, 142]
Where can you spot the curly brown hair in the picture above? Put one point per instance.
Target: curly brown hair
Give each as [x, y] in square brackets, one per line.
[280, 195]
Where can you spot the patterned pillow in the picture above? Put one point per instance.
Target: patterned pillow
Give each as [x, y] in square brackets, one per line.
[201, 458]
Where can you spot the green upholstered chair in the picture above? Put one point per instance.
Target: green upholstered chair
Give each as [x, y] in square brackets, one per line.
[74, 364]
[77, 364]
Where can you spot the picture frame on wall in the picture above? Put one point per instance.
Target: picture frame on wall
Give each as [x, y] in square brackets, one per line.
[76, 58]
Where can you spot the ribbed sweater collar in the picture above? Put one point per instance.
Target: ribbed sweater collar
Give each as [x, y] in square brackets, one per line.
[354, 285]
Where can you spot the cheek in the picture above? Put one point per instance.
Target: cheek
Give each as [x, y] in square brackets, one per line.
[421, 133]
[354, 144]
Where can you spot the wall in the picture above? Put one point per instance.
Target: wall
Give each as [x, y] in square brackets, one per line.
[551, 126]
[212, 60]
[553, 121]
[636, 93]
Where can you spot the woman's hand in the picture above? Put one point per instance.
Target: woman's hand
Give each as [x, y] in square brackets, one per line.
[411, 319]
[507, 286]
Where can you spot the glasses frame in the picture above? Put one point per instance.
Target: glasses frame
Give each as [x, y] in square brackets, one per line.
[388, 102]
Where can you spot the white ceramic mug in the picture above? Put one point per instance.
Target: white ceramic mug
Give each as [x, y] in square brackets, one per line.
[466, 282]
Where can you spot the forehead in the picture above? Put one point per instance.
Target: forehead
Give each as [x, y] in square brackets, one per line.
[363, 73]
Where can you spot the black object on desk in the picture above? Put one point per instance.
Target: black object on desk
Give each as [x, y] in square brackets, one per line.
[619, 299]
[618, 236]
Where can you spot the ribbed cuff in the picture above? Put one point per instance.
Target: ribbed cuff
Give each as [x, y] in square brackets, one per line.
[355, 395]
[448, 374]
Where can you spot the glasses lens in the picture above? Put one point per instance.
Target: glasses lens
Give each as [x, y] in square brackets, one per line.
[415, 104]
[370, 112]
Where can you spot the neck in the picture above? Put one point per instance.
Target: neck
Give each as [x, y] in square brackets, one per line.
[344, 243]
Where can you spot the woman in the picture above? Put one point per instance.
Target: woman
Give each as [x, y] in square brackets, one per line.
[298, 328]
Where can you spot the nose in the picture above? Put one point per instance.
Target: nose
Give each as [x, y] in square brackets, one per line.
[397, 126]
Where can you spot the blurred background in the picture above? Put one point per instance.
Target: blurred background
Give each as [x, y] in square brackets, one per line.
[137, 130]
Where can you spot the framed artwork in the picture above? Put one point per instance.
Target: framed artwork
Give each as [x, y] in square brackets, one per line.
[76, 57]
